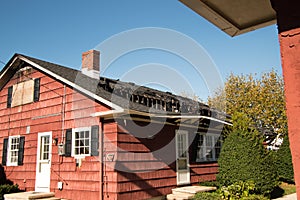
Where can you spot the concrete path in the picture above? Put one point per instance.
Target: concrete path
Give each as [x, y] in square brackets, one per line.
[288, 197]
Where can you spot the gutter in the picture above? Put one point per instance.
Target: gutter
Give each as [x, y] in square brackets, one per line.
[193, 117]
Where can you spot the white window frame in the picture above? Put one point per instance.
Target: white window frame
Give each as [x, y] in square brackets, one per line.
[204, 150]
[74, 141]
[10, 151]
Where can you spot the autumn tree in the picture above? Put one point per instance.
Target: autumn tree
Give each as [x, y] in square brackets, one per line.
[261, 99]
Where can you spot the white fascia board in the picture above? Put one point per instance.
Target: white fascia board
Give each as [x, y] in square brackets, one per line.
[107, 113]
[193, 117]
[75, 86]
[8, 68]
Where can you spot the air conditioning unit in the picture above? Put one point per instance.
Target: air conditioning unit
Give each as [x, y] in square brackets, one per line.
[61, 149]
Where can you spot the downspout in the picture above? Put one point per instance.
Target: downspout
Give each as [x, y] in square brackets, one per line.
[63, 111]
[63, 114]
[101, 157]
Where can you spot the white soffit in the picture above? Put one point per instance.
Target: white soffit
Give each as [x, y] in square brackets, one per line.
[235, 17]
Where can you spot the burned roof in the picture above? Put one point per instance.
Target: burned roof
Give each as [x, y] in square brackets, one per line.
[129, 95]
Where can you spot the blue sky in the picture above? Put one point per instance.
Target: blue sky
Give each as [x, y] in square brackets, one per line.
[60, 30]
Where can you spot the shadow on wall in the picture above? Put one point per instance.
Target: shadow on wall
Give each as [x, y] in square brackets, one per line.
[6, 186]
[3, 179]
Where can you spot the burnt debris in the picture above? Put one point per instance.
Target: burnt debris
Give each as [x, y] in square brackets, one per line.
[152, 98]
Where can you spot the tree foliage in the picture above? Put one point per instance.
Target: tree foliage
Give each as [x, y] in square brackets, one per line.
[261, 99]
[244, 158]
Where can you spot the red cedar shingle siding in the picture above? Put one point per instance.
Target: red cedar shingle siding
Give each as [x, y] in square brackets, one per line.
[158, 180]
[78, 182]
[130, 170]
[146, 177]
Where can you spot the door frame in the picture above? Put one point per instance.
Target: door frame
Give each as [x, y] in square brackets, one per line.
[40, 135]
[187, 170]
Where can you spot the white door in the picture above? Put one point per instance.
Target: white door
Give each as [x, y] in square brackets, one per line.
[182, 158]
[43, 162]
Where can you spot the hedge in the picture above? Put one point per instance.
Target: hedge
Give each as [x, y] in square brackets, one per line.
[244, 158]
[283, 159]
[6, 189]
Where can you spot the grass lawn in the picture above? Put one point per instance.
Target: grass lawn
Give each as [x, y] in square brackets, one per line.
[288, 188]
[283, 189]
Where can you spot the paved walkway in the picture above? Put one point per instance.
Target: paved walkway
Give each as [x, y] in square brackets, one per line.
[288, 197]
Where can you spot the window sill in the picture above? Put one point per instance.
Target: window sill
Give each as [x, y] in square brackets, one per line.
[80, 156]
[204, 161]
[12, 164]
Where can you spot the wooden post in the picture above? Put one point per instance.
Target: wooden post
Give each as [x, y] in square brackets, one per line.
[290, 56]
[288, 20]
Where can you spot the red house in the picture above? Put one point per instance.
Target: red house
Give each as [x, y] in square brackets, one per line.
[82, 136]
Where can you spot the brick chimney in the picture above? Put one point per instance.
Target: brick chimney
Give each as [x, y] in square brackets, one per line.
[91, 63]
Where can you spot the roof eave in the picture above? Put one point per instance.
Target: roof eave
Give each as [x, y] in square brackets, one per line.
[210, 14]
[111, 114]
[5, 75]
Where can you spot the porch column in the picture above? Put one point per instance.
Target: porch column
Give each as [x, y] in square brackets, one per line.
[288, 21]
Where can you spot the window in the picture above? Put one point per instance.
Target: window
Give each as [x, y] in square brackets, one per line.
[13, 151]
[81, 138]
[82, 141]
[209, 147]
[45, 147]
[23, 93]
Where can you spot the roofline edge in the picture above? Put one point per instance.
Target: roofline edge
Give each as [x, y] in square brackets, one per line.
[75, 86]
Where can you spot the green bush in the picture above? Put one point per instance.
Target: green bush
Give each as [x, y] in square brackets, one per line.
[210, 183]
[237, 190]
[6, 189]
[244, 158]
[207, 196]
[283, 159]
